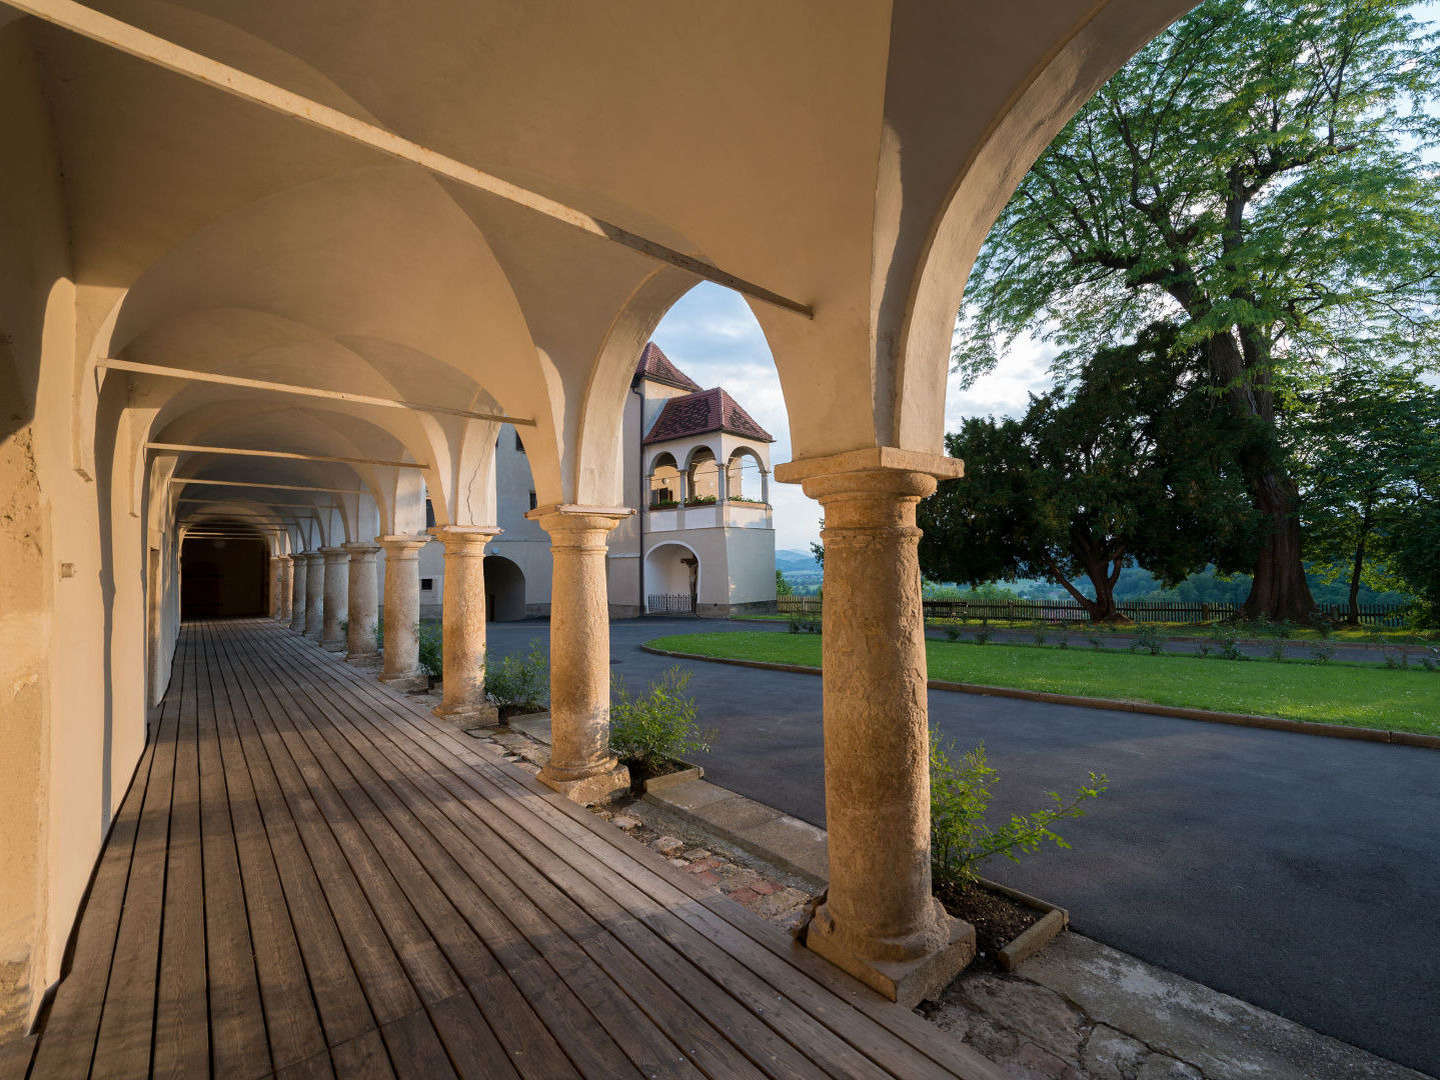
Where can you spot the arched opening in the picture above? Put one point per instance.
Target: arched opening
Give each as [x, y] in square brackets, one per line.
[223, 577]
[672, 577]
[746, 478]
[504, 590]
[702, 478]
[664, 483]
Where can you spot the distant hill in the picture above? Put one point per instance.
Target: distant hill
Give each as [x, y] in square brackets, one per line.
[795, 560]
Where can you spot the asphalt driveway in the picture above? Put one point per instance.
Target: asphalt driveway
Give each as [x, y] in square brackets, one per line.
[1297, 873]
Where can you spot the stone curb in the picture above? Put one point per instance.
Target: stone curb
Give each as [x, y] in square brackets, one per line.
[1273, 723]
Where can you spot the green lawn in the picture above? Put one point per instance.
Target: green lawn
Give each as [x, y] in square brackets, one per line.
[1363, 695]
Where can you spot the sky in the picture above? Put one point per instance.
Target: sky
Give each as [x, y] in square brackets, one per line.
[711, 335]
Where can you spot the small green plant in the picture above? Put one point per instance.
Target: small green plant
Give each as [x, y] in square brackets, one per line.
[952, 632]
[656, 727]
[960, 838]
[1063, 642]
[981, 635]
[1041, 637]
[1096, 643]
[1150, 639]
[1203, 648]
[1276, 650]
[1230, 647]
[520, 682]
[1321, 653]
[1397, 659]
[1430, 660]
[432, 660]
[380, 632]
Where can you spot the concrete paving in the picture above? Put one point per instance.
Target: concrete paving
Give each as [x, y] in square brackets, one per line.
[1294, 872]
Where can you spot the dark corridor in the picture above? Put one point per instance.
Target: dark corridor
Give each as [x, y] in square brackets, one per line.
[223, 578]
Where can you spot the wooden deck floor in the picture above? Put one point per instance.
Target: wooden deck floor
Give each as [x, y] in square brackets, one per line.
[310, 877]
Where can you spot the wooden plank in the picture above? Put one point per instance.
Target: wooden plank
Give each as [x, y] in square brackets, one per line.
[285, 797]
[363, 1058]
[473, 1048]
[550, 992]
[291, 1019]
[438, 854]
[182, 1029]
[67, 1041]
[340, 1000]
[239, 1044]
[592, 917]
[824, 1046]
[415, 1049]
[122, 1047]
[893, 1036]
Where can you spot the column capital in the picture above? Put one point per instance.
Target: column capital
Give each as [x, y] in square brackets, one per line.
[312, 556]
[360, 549]
[570, 517]
[403, 543]
[334, 554]
[868, 468]
[465, 539]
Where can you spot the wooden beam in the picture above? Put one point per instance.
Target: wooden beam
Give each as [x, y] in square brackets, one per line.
[254, 484]
[303, 391]
[266, 504]
[287, 455]
[143, 45]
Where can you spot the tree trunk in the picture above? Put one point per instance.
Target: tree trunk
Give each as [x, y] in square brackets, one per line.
[1102, 609]
[1353, 618]
[1280, 591]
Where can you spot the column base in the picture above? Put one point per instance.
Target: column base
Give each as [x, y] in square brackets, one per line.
[906, 982]
[404, 680]
[333, 646]
[363, 657]
[600, 787]
[468, 716]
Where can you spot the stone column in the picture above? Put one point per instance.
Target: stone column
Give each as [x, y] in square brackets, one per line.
[314, 594]
[298, 570]
[277, 582]
[287, 586]
[364, 603]
[402, 607]
[581, 766]
[880, 921]
[337, 597]
[463, 625]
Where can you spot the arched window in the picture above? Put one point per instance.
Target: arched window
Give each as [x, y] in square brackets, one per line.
[702, 478]
[664, 483]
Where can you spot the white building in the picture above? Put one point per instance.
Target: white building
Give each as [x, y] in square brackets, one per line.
[705, 539]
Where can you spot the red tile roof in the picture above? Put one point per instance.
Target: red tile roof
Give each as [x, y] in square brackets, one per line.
[654, 364]
[697, 414]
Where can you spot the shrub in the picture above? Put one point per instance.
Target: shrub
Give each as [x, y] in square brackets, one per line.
[1230, 647]
[981, 636]
[1095, 642]
[1277, 650]
[952, 632]
[960, 793]
[431, 651]
[1321, 653]
[1430, 660]
[1150, 639]
[520, 682]
[657, 726]
[1203, 648]
[1397, 659]
[1041, 637]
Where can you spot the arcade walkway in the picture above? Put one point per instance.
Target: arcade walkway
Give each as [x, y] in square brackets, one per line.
[310, 877]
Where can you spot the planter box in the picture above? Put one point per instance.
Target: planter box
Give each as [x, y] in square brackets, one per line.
[1037, 935]
[674, 779]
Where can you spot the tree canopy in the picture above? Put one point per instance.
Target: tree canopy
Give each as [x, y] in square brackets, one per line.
[1257, 178]
[1134, 462]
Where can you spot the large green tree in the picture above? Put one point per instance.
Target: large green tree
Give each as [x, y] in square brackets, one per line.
[1133, 463]
[1363, 439]
[1257, 175]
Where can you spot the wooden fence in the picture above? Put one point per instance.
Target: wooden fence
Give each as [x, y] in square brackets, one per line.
[1063, 611]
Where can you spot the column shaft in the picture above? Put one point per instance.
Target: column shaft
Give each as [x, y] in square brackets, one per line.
[880, 921]
[581, 765]
[298, 566]
[273, 602]
[314, 594]
[463, 625]
[287, 586]
[402, 607]
[337, 597]
[364, 603]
